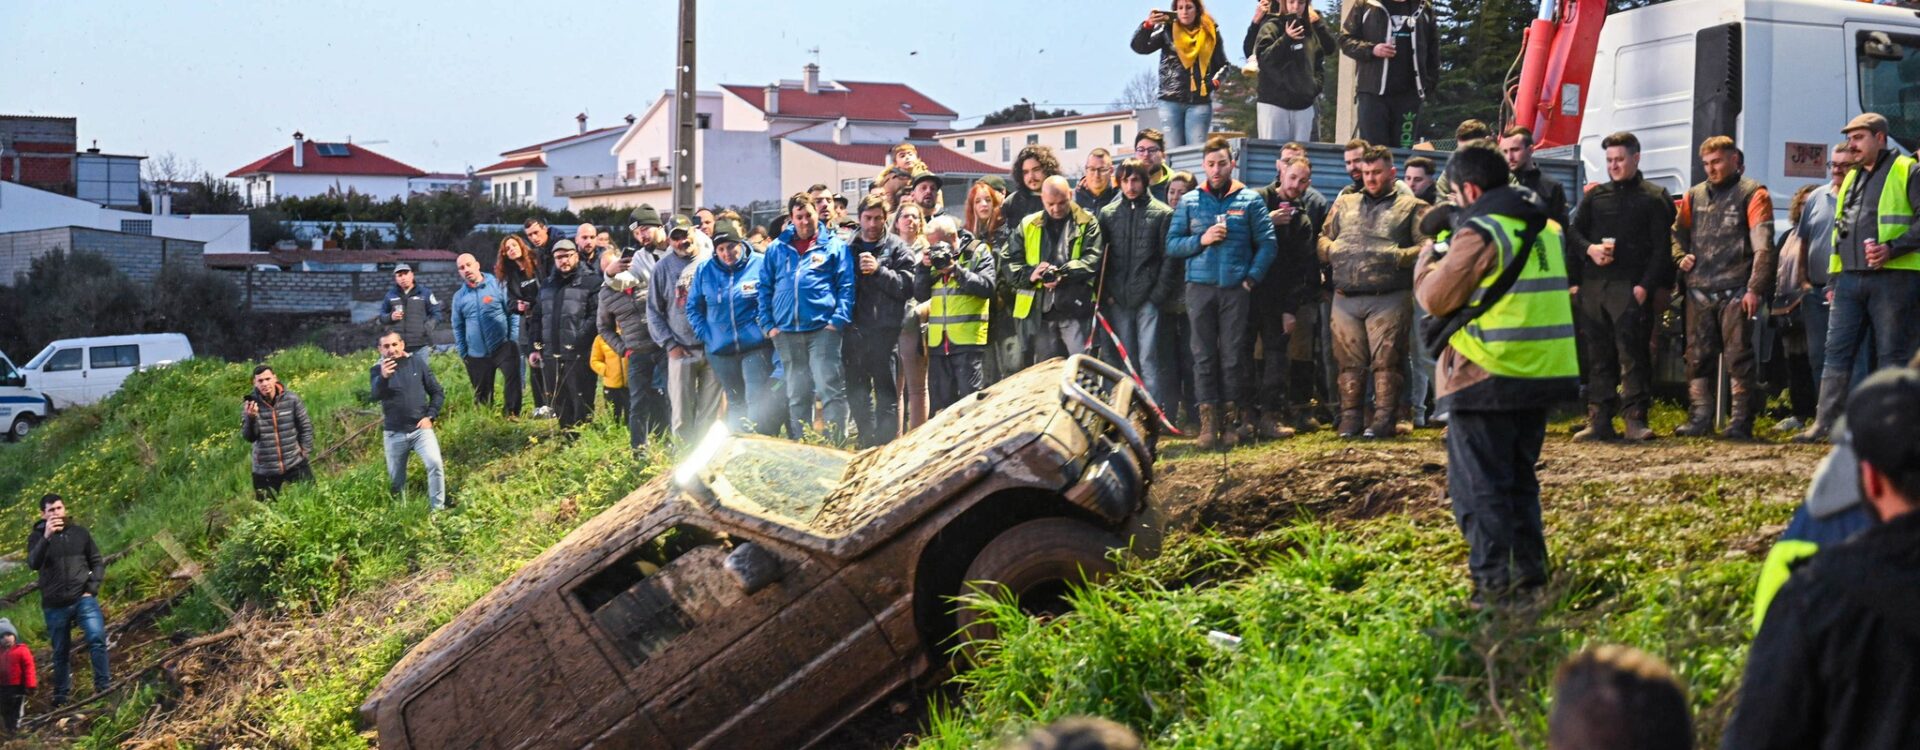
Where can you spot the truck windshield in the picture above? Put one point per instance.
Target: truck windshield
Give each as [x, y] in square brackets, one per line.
[786, 481]
[1890, 81]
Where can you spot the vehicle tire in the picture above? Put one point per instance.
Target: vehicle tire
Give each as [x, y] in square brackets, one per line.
[22, 426]
[1037, 561]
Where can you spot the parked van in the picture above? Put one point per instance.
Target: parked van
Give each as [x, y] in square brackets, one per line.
[20, 407]
[77, 372]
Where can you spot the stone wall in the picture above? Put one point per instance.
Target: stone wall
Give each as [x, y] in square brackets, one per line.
[356, 293]
[139, 256]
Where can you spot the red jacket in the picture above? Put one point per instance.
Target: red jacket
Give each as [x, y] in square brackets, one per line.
[18, 667]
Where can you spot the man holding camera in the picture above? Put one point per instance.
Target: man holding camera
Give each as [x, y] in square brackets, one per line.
[1056, 272]
[955, 277]
[410, 399]
[1495, 281]
[882, 287]
[71, 571]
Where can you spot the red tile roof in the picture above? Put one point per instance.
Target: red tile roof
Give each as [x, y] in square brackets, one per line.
[873, 102]
[539, 146]
[536, 161]
[938, 158]
[293, 257]
[359, 160]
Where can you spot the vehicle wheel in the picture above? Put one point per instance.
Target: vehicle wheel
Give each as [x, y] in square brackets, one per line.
[1037, 561]
[22, 426]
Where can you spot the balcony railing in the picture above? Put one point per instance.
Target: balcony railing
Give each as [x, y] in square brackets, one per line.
[593, 183]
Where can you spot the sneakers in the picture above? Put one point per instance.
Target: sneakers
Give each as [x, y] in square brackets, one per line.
[1789, 425]
[544, 412]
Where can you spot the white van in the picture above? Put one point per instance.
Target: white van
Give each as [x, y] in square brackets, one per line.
[20, 407]
[77, 372]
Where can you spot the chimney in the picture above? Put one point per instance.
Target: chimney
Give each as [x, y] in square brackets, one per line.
[582, 119]
[299, 150]
[773, 99]
[842, 134]
[810, 75]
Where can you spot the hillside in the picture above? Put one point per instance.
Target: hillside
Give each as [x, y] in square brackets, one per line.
[1336, 563]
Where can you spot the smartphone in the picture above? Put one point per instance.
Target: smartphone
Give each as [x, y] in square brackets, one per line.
[626, 253]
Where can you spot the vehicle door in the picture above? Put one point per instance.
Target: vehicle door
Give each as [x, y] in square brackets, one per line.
[704, 624]
[1884, 76]
[108, 367]
[61, 374]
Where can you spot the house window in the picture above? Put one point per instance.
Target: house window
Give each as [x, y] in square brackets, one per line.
[1033, 139]
[529, 190]
[961, 143]
[513, 191]
[1116, 134]
[653, 167]
[137, 226]
[1006, 148]
[980, 146]
[633, 168]
[702, 121]
[499, 192]
[1073, 140]
[850, 187]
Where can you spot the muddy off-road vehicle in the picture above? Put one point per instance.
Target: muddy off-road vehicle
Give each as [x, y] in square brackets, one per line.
[768, 590]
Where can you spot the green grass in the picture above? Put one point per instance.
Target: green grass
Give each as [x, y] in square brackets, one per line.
[1358, 635]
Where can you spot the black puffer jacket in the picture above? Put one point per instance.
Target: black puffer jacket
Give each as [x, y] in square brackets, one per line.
[69, 562]
[1290, 68]
[1179, 83]
[622, 319]
[880, 297]
[564, 321]
[282, 435]
[1137, 267]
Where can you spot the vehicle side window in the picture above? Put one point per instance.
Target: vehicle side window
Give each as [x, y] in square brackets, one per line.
[65, 360]
[660, 591]
[125, 355]
[1889, 63]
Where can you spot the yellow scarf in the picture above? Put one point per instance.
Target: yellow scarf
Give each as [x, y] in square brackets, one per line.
[1194, 46]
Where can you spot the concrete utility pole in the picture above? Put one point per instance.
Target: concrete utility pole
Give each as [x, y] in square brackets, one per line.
[1346, 77]
[685, 100]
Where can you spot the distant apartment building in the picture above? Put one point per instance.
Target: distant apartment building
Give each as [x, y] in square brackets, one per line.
[1071, 138]
[309, 168]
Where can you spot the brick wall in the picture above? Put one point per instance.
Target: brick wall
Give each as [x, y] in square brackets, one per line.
[139, 256]
[325, 291]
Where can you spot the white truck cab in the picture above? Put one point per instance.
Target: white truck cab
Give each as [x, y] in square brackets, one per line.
[1779, 76]
[20, 407]
[77, 372]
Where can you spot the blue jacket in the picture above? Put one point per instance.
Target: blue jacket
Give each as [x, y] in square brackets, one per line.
[724, 304]
[800, 293]
[481, 322]
[1249, 250]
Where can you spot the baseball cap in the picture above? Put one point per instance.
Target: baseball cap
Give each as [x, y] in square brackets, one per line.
[727, 230]
[646, 216]
[678, 225]
[566, 245]
[998, 183]
[1872, 121]
[840, 199]
[1883, 416]
[403, 267]
[920, 177]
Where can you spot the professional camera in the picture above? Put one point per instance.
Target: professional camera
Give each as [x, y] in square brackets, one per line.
[1050, 275]
[941, 255]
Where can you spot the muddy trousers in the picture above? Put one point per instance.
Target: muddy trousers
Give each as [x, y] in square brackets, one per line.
[1370, 333]
[873, 394]
[1496, 496]
[1614, 332]
[1717, 326]
[1220, 342]
[952, 374]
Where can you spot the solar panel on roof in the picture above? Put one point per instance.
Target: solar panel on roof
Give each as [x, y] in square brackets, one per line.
[331, 149]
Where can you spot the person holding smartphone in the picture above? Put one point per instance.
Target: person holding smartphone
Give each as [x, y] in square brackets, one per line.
[275, 421]
[1397, 46]
[1286, 45]
[410, 399]
[71, 571]
[1191, 65]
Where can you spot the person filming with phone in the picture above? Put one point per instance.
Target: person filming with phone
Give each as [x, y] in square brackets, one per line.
[1396, 44]
[410, 399]
[71, 571]
[1191, 66]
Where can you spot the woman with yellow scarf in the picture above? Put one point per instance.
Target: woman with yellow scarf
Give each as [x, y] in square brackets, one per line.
[1191, 64]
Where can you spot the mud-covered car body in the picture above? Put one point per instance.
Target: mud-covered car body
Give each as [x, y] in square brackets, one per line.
[769, 590]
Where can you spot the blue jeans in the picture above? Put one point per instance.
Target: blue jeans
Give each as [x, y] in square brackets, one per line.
[814, 368]
[745, 377]
[422, 442]
[93, 624]
[1871, 303]
[1139, 331]
[1185, 123]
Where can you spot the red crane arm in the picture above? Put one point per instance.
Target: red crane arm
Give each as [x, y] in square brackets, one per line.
[1557, 69]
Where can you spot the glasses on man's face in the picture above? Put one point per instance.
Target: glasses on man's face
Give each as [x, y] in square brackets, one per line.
[1149, 149]
[1100, 170]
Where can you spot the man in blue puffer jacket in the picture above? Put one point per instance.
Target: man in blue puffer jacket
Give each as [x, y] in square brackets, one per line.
[484, 333]
[806, 300]
[1223, 232]
[722, 307]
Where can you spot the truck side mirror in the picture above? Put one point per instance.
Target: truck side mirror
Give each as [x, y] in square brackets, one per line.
[753, 567]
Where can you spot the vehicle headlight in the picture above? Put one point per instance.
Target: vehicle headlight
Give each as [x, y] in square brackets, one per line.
[687, 474]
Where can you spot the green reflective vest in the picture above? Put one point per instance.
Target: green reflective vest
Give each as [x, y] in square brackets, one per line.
[1528, 332]
[955, 316]
[1775, 572]
[1030, 232]
[1896, 215]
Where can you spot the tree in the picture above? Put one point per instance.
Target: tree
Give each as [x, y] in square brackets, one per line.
[1142, 90]
[1479, 44]
[1025, 111]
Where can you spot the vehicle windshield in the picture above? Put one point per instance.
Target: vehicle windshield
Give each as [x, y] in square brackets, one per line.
[785, 481]
[41, 358]
[1890, 81]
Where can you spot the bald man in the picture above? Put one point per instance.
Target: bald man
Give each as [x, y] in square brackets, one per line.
[586, 238]
[1054, 276]
[484, 333]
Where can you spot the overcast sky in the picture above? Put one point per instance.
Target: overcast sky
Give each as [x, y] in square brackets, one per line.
[449, 85]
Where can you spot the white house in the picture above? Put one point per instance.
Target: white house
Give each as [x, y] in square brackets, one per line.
[744, 134]
[309, 168]
[24, 208]
[538, 174]
[1071, 138]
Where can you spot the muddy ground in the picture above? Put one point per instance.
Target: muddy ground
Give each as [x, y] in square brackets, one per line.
[1239, 493]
